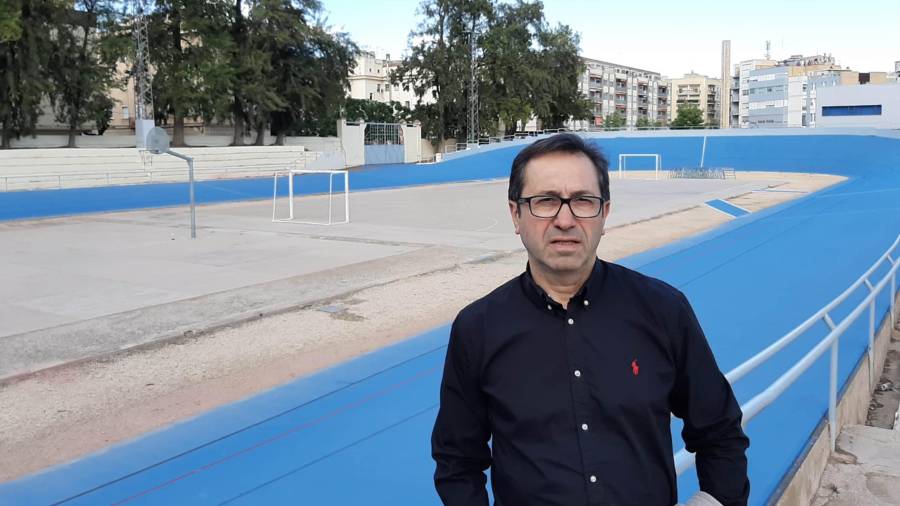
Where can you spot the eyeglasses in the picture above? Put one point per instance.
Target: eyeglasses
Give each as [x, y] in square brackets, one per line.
[548, 206]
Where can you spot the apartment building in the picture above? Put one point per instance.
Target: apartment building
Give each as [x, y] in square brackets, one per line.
[370, 80]
[634, 93]
[785, 95]
[702, 92]
[742, 71]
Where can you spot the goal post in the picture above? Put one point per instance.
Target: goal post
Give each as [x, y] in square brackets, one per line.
[291, 173]
[625, 156]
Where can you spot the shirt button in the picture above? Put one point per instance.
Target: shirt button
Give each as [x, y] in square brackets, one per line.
[593, 479]
[584, 426]
[549, 307]
[577, 373]
[571, 321]
[586, 303]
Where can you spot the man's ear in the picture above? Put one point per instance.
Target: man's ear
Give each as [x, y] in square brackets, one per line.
[514, 213]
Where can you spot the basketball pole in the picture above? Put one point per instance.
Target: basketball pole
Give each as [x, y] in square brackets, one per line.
[190, 162]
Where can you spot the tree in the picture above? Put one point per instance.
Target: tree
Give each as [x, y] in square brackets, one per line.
[524, 69]
[291, 71]
[191, 54]
[82, 65]
[372, 111]
[439, 63]
[614, 120]
[510, 67]
[558, 98]
[25, 49]
[643, 122]
[10, 21]
[689, 116]
[312, 72]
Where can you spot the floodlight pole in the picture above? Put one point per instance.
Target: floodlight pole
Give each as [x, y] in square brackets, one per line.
[190, 162]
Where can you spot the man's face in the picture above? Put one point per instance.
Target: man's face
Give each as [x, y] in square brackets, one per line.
[564, 244]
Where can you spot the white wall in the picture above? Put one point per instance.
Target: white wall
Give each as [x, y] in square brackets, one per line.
[412, 147]
[885, 95]
[352, 142]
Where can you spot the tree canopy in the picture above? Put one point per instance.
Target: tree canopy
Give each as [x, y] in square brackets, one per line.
[689, 116]
[524, 67]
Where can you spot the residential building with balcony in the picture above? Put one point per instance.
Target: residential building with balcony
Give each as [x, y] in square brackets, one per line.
[633, 93]
[702, 92]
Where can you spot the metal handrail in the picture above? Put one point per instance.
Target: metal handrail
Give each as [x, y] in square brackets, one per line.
[684, 459]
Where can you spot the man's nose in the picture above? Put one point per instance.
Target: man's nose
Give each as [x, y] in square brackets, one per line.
[564, 218]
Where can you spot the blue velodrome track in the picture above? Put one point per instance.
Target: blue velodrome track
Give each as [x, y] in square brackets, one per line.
[359, 433]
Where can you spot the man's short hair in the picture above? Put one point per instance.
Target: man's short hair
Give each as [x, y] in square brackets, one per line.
[559, 143]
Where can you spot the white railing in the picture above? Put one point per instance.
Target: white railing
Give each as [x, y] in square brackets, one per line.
[684, 459]
[483, 141]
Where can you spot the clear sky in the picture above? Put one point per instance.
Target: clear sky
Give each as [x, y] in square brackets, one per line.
[674, 37]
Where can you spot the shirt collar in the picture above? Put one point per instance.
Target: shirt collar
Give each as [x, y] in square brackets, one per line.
[588, 291]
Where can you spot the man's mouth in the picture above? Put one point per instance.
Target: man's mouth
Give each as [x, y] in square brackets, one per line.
[565, 242]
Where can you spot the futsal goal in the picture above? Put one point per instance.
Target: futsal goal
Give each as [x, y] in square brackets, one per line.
[623, 159]
[313, 180]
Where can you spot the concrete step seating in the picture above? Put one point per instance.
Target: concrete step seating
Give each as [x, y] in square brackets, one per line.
[34, 169]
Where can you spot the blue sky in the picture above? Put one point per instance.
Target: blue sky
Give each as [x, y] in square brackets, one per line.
[675, 37]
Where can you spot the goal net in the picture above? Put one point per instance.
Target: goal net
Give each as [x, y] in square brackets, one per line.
[623, 160]
[309, 181]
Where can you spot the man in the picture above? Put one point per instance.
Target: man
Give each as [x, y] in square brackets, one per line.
[574, 367]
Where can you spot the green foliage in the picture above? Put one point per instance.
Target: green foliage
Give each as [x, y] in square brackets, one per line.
[10, 21]
[312, 79]
[82, 63]
[371, 111]
[438, 63]
[190, 54]
[689, 116]
[25, 50]
[559, 99]
[643, 122]
[524, 68]
[614, 120]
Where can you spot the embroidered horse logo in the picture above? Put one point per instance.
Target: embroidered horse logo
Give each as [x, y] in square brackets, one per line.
[635, 369]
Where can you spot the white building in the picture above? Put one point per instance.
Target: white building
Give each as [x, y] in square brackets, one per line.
[702, 92]
[775, 98]
[633, 93]
[741, 108]
[783, 93]
[370, 80]
[865, 105]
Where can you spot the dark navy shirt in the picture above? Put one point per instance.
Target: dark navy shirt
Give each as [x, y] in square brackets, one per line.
[577, 400]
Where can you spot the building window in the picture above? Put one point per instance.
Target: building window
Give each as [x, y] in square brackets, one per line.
[371, 96]
[851, 110]
[125, 114]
